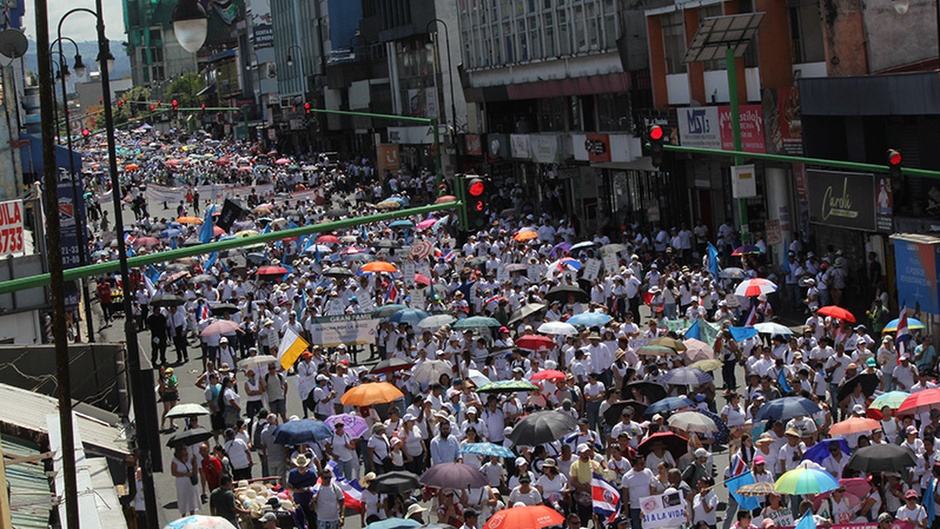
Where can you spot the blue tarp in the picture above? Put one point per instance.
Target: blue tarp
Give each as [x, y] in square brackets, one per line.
[31, 155]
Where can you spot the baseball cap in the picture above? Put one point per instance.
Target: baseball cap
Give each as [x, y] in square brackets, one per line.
[701, 452]
[911, 493]
[268, 517]
[583, 447]
[759, 460]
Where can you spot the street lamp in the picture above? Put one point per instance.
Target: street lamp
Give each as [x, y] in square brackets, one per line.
[450, 68]
[300, 62]
[190, 24]
[901, 7]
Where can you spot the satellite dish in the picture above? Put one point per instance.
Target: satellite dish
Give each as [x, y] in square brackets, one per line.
[13, 43]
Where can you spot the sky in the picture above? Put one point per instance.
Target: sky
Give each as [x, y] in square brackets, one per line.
[79, 26]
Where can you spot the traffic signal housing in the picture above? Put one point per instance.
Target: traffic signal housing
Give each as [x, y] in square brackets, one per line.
[477, 197]
[306, 108]
[176, 105]
[655, 137]
[896, 177]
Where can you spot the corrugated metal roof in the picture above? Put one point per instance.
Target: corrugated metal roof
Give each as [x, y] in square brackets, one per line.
[30, 490]
[24, 413]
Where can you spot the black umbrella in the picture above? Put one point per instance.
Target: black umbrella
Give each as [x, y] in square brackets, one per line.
[651, 390]
[453, 475]
[868, 381]
[224, 308]
[675, 443]
[612, 414]
[526, 311]
[543, 427]
[394, 482]
[477, 261]
[561, 293]
[166, 300]
[176, 267]
[205, 278]
[882, 458]
[338, 271]
[189, 437]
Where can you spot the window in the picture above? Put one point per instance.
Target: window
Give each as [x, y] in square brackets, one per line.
[551, 114]
[806, 37]
[708, 12]
[613, 112]
[673, 41]
[564, 33]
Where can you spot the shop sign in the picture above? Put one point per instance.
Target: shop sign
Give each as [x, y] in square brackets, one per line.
[783, 121]
[752, 128]
[884, 204]
[593, 148]
[698, 127]
[473, 144]
[841, 199]
[711, 127]
[497, 147]
[917, 271]
[546, 148]
[520, 146]
[387, 157]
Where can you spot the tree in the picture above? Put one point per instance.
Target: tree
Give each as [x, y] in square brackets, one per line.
[130, 104]
[185, 89]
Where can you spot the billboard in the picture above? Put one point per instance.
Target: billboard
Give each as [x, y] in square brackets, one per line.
[916, 260]
[842, 199]
[711, 127]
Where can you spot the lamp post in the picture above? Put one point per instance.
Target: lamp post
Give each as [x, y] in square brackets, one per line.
[79, 69]
[300, 61]
[450, 74]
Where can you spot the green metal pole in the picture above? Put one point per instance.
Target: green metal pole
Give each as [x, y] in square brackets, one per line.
[459, 193]
[736, 129]
[143, 260]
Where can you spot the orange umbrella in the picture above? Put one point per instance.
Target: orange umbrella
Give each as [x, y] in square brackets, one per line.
[371, 393]
[525, 235]
[854, 425]
[189, 220]
[131, 167]
[379, 266]
[532, 516]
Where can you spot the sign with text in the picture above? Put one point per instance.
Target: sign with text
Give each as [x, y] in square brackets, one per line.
[349, 329]
[743, 181]
[11, 227]
[698, 127]
[841, 199]
[519, 146]
[387, 159]
[711, 127]
[408, 271]
[591, 269]
[752, 128]
[611, 264]
[916, 258]
[418, 299]
[663, 510]
[597, 147]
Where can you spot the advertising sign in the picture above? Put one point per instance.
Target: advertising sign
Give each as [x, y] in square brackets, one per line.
[916, 260]
[752, 128]
[330, 331]
[387, 158]
[473, 144]
[698, 127]
[783, 121]
[841, 199]
[520, 146]
[743, 181]
[711, 127]
[262, 26]
[546, 148]
[11, 227]
[597, 147]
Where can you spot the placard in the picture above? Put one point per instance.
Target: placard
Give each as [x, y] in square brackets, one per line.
[502, 275]
[772, 234]
[11, 227]
[365, 303]
[423, 268]
[591, 269]
[611, 263]
[335, 306]
[349, 329]
[408, 271]
[418, 299]
[534, 272]
[663, 510]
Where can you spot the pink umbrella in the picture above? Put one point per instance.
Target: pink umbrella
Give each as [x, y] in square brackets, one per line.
[244, 168]
[223, 161]
[426, 223]
[219, 327]
[218, 230]
[172, 163]
[282, 161]
[422, 279]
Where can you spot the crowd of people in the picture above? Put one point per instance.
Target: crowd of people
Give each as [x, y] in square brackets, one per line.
[610, 335]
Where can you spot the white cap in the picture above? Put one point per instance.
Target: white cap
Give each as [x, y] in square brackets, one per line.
[583, 447]
[701, 452]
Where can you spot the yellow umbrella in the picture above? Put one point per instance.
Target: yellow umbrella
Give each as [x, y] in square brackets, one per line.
[371, 393]
[707, 365]
[246, 233]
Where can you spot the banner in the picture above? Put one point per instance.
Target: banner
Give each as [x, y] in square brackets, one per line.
[546, 148]
[698, 127]
[11, 227]
[387, 159]
[519, 146]
[349, 329]
[743, 181]
[871, 525]
[916, 260]
[842, 199]
[783, 121]
[663, 510]
[711, 127]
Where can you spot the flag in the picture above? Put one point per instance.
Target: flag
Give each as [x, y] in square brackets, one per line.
[606, 498]
[148, 283]
[450, 255]
[391, 294]
[807, 521]
[782, 381]
[751, 316]
[929, 505]
[352, 490]
[738, 465]
[748, 503]
[903, 336]
[128, 239]
[291, 347]
[204, 312]
[205, 235]
[491, 299]
[211, 260]
[713, 259]
[694, 331]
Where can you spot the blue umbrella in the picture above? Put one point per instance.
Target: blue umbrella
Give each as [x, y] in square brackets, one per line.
[408, 316]
[786, 408]
[401, 224]
[820, 451]
[666, 405]
[173, 224]
[724, 433]
[686, 376]
[171, 232]
[302, 431]
[589, 319]
[487, 449]
[394, 523]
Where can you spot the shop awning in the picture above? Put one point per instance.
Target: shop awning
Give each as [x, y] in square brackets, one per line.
[31, 154]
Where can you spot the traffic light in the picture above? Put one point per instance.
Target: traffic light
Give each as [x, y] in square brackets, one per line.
[176, 105]
[153, 108]
[85, 133]
[306, 108]
[203, 107]
[655, 137]
[896, 178]
[476, 197]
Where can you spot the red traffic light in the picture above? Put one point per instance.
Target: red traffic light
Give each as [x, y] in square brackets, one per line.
[477, 187]
[203, 106]
[307, 108]
[656, 133]
[894, 157]
[152, 108]
[175, 104]
[85, 132]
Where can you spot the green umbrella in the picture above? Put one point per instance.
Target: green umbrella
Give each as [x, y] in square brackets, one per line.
[476, 322]
[507, 386]
[387, 310]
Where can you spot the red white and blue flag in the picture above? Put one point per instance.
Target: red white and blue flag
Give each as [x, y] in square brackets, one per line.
[204, 312]
[352, 490]
[392, 294]
[606, 498]
[751, 317]
[450, 255]
[903, 336]
[738, 465]
[491, 299]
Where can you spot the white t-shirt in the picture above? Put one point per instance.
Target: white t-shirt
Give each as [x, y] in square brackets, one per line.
[699, 502]
[552, 486]
[637, 484]
[917, 514]
[339, 447]
[328, 501]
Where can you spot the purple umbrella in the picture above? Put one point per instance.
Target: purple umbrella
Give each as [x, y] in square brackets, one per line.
[355, 425]
[453, 475]
[560, 248]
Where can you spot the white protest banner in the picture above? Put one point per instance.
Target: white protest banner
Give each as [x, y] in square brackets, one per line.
[502, 275]
[591, 269]
[663, 510]
[335, 307]
[418, 299]
[534, 272]
[408, 271]
[365, 303]
[11, 226]
[330, 331]
[611, 264]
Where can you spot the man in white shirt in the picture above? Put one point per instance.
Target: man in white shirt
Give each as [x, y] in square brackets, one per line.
[635, 486]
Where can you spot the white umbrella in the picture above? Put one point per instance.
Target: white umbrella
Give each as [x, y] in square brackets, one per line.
[187, 410]
[692, 421]
[430, 372]
[557, 327]
[478, 378]
[769, 327]
[257, 360]
[220, 327]
[755, 287]
[436, 321]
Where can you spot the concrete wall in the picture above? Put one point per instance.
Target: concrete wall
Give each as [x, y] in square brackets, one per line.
[896, 40]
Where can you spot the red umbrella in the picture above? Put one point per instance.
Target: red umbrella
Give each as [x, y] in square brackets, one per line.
[172, 163]
[926, 400]
[146, 241]
[755, 287]
[530, 517]
[223, 161]
[271, 271]
[548, 374]
[835, 311]
[217, 230]
[854, 425]
[535, 342]
[328, 239]
[675, 443]
[421, 279]
[444, 199]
